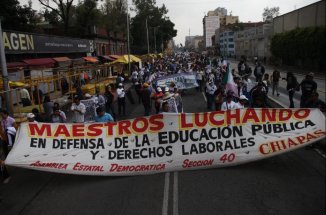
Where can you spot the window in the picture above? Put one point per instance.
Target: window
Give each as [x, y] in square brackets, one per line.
[231, 33]
[231, 45]
[230, 39]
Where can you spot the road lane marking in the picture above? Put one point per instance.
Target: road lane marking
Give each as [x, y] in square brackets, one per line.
[204, 96]
[320, 153]
[175, 194]
[165, 205]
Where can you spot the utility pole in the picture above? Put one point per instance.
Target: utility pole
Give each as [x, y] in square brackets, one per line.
[147, 37]
[155, 40]
[128, 38]
[4, 71]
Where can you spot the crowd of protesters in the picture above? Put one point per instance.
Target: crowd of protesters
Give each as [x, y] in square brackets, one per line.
[212, 79]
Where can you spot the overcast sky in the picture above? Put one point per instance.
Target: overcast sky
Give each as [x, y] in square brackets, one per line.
[188, 14]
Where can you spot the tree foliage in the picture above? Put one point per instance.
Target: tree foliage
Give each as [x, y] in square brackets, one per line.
[115, 15]
[160, 28]
[62, 9]
[301, 44]
[270, 13]
[17, 17]
[85, 16]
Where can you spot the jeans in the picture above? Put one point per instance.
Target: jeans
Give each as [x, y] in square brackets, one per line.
[275, 88]
[291, 94]
[122, 105]
[26, 102]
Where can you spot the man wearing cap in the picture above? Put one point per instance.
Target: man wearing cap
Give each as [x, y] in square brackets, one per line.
[121, 99]
[79, 110]
[146, 99]
[308, 88]
[242, 101]
[31, 117]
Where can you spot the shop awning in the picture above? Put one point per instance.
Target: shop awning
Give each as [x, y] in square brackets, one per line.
[91, 59]
[40, 62]
[16, 65]
[61, 59]
[78, 61]
[124, 59]
[115, 56]
[107, 57]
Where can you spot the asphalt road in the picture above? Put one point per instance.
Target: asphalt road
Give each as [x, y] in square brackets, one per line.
[293, 183]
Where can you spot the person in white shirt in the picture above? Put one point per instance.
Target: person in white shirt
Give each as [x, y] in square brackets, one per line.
[242, 101]
[121, 99]
[229, 104]
[210, 94]
[25, 97]
[79, 110]
[134, 76]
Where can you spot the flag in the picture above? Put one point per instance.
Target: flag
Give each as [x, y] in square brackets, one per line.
[230, 85]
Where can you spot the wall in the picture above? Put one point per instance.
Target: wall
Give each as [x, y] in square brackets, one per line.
[309, 16]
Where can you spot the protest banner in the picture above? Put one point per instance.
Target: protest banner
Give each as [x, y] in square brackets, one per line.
[181, 80]
[165, 142]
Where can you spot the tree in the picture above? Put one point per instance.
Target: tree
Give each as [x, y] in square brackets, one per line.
[115, 15]
[17, 17]
[85, 16]
[62, 9]
[160, 27]
[270, 13]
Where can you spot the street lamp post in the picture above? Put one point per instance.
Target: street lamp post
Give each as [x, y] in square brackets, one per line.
[155, 40]
[128, 38]
[4, 71]
[147, 36]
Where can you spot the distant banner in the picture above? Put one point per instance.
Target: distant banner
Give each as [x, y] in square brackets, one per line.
[181, 80]
[165, 142]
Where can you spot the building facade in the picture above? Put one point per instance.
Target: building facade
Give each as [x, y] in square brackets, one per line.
[226, 43]
[254, 41]
[308, 16]
[210, 24]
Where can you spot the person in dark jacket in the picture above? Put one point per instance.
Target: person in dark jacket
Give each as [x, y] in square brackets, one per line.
[146, 99]
[259, 72]
[308, 88]
[109, 101]
[291, 86]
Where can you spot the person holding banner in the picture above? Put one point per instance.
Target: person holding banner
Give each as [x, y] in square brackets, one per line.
[157, 96]
[229, 104]
[79, 110]
[199, 78]
[109, 99]
[121, 99]
[146, 99]
[242, 101]
[102, 116]
[210, 93]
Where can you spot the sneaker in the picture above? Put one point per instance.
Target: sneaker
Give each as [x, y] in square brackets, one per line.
[278, 94]
[6, 181]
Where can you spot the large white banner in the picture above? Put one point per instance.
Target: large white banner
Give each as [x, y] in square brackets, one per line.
[165, 142]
